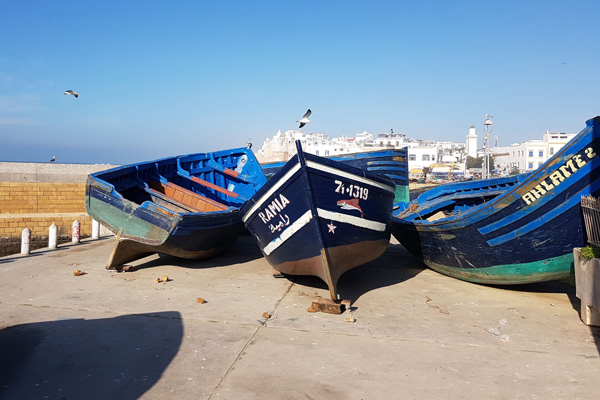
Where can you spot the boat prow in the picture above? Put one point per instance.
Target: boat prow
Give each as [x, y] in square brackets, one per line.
[321, 217]
[507, 231]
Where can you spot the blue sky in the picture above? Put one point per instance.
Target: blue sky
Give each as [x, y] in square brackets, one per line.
[161, 78]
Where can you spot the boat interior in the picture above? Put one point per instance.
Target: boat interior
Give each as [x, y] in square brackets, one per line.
[188, 184]
[451, 200]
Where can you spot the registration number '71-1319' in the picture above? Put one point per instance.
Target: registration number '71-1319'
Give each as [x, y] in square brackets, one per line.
[352, 190]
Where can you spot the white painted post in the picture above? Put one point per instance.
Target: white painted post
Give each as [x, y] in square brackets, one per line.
[52, 236]
[25, 241]
[75, 232]
[95, 229]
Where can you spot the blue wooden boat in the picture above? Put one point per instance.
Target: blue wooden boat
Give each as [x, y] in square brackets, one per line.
[514, 230]
[321, 217]
[186, 206]
[481, 190]
[392, 163]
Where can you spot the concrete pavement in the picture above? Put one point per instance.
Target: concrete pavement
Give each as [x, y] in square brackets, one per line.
[417, 334]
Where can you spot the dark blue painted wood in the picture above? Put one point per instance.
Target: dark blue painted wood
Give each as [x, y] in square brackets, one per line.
[320, 217]
[391, 163]
[115, 195]
[507, 222]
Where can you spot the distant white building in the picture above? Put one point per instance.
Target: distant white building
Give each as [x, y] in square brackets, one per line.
[530, 155]
[526, 156]
[421, 153]
[420, 157]
[282, 146]
[390, 140]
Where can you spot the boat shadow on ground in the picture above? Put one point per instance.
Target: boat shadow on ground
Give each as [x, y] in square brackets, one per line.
[394, 266]
[108, 358]
[243, 250]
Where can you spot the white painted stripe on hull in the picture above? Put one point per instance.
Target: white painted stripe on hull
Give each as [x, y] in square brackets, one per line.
[288, 232]
[352, 220]
[320, 167]
[270, 192]
[348, 175]
[333, 216]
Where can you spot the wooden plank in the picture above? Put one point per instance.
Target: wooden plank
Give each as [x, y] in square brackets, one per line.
[213, 186]
[189, 198]
[169, 199]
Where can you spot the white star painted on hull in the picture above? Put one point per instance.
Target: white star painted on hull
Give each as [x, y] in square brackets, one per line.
[331, 227]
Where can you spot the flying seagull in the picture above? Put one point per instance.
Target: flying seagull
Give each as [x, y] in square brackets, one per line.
[53, 159]
[489, 116]
[72, 93]
[305, 119]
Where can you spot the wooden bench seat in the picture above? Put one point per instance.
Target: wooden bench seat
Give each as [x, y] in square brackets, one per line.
[185, 198]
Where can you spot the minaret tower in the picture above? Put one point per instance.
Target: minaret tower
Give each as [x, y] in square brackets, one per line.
[471, 143]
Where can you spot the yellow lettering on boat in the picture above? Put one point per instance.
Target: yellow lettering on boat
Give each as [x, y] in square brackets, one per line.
[590, 153]
[528, 197]
[538, 191]
[559, 175]
[568, 164]
[547, 186]
[579, 161]
[556, 177]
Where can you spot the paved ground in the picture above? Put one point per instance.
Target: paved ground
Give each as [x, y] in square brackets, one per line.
[417, 335]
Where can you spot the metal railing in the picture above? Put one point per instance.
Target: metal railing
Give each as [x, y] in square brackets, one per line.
[591, 217]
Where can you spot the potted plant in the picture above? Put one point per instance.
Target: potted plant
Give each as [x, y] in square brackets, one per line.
[587, 282]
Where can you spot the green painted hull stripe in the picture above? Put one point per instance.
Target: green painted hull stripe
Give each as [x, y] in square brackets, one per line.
[127, 224]
[401, 194]
[538, 271]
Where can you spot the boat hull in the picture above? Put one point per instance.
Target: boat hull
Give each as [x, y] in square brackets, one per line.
[526, 233]
[322, 218]
[204, 240]
[186, 206]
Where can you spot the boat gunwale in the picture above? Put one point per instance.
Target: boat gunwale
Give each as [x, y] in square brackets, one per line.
[510, 191]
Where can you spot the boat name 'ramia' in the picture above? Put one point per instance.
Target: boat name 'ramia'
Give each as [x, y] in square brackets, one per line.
[272, 209]
[559, 175]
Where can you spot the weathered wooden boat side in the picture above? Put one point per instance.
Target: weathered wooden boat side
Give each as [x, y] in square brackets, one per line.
[321, 217]
[392, 163]
[186, 206]
[521, 232]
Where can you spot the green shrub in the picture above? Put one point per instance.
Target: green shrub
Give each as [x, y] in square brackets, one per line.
[589, 252]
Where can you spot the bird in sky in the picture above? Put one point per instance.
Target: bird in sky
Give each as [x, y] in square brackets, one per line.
[53, 159]
[489, 116]
[305, 119]
[72, 93]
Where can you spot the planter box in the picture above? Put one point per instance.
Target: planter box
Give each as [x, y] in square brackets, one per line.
[587, 286]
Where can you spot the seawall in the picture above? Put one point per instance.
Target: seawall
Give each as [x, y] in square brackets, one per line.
[33, 195]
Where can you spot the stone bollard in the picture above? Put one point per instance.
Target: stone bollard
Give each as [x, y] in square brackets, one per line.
[25, 241]
[95, 229]
[75, 232]
[52, 236]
